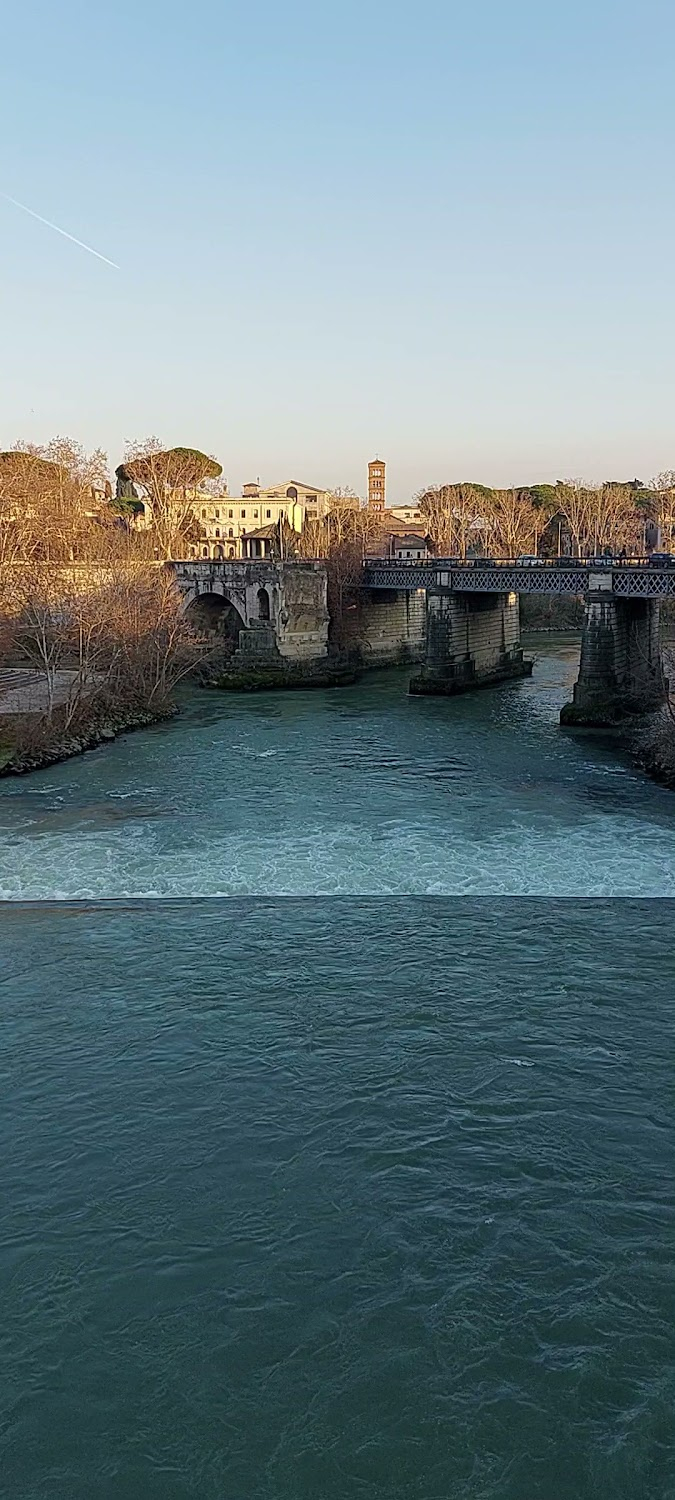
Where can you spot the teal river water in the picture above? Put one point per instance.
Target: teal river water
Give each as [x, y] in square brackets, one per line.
[360, 791]
[336, 1107]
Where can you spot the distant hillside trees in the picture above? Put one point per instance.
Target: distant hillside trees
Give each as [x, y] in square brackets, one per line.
[570, 514]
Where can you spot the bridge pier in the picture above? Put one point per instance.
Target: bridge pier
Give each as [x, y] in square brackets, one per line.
[472, 640]
[621, 667]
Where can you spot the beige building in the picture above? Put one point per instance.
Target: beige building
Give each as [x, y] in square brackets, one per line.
[411, 514]
[229, 523]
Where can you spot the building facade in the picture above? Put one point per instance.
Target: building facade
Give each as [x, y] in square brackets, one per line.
[409, 547]
[234, 526]
[410, 514]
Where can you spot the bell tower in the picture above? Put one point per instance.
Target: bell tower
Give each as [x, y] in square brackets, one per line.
[376, 484]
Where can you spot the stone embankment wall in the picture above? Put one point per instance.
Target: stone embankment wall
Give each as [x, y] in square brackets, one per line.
[393, 627]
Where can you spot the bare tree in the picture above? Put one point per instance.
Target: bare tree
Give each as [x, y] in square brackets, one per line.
[343, 539]
[454, 514]
[48, 504]
[114, 633]
[513, 523]
[575, 500]
[664, 482]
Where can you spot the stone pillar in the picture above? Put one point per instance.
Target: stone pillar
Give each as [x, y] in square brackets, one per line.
[621, 667]
[473, 640]
[302, 618]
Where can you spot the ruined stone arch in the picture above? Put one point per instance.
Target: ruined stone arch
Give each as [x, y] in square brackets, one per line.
[214, 614]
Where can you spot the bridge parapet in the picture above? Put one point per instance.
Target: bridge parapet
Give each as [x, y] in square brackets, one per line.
[638, 581]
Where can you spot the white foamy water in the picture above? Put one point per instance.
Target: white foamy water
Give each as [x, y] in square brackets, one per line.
[361, 791]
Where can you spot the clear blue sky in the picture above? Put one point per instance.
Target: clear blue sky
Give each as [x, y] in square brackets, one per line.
[441, 232]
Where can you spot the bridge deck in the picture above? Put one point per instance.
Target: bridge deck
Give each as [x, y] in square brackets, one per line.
[641, 580]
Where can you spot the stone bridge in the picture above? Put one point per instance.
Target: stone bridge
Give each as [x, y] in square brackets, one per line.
[263, 607]
[461, 622]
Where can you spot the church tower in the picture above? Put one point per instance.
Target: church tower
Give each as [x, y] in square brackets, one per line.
[376, 484]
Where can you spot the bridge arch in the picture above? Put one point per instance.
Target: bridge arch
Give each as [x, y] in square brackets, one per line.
[215, 614]
[264, 611]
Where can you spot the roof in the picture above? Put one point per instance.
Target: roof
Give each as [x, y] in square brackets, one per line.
[411, 541]
[297, 484]
[262, 533]
[393, 525]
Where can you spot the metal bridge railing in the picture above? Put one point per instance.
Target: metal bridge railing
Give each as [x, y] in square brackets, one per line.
[638, 578]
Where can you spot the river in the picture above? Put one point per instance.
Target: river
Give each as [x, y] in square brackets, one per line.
[309, 1194]
[356, 791]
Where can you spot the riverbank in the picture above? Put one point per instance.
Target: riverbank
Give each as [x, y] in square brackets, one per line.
[26, 745]
[283, 675]
[654, 748]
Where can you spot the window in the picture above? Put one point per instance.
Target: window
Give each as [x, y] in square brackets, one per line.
[268, 513]
[263, 604]
[255, 515]
[203, 515]
[205, 551]
[217, 531]
[230, 515]
[230, 532]
[217, 515]
[243, 515]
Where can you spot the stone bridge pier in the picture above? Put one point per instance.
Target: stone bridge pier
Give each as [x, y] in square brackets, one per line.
[621, 666]
[472, 640]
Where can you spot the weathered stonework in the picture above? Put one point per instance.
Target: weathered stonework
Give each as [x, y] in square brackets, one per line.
[621, 668]
[473, 640]
[393, 627]
[288, 600]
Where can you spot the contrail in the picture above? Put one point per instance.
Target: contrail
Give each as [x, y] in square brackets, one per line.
[64, 232]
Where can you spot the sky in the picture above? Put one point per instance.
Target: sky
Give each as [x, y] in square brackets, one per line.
[439, 233]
